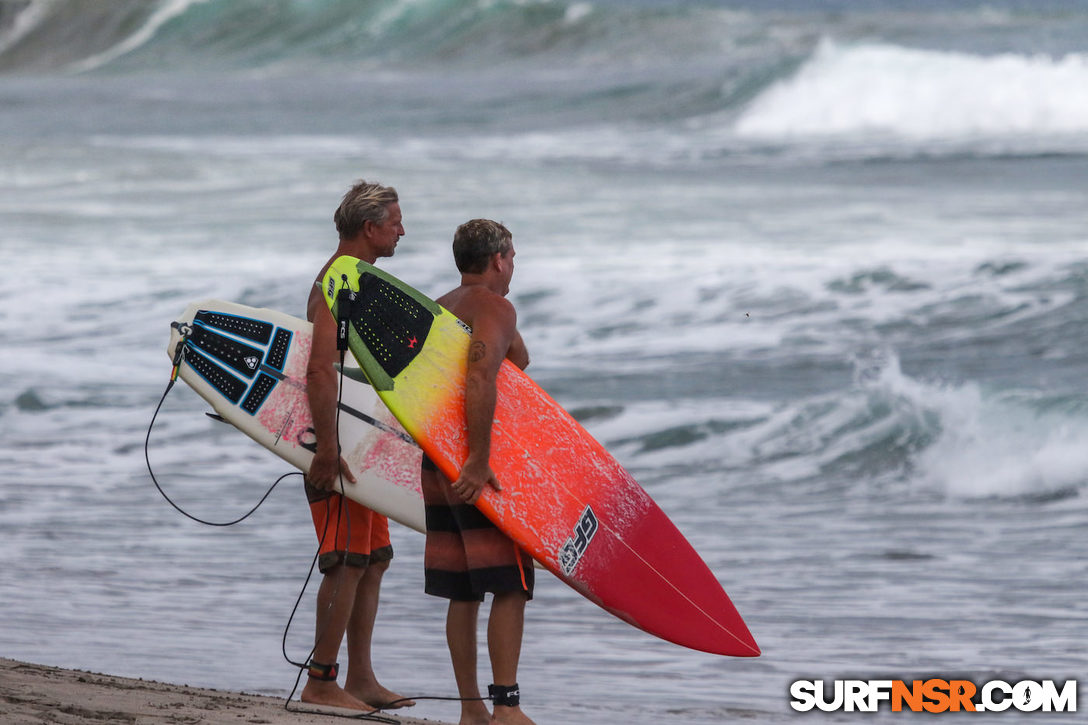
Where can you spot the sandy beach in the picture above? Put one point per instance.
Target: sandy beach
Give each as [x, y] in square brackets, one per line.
[32, 693]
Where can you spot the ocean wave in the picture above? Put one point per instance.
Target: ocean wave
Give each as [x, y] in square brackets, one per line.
[147, 30]
[887, 433]
[80, 35]
[46, 35]
[607, 82]
[879, 91]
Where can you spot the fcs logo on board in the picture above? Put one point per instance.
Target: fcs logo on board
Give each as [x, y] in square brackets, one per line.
[933, 695]
[578, 542]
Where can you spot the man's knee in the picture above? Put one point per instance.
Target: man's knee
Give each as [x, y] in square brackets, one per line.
[345, 574]
[512, 598]
[379, 567]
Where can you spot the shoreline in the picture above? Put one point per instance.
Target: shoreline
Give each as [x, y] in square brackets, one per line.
[32, 694]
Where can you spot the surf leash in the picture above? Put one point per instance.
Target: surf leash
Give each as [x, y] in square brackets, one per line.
[185, 330]
[375, 714]
[341, 511]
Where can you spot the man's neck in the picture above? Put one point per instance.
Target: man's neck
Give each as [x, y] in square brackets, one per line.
[481, 280]
[355, 249]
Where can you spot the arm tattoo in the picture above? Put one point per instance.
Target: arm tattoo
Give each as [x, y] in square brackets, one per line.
[477, 352]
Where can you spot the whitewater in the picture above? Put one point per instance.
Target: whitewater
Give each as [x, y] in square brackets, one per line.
[818, 277]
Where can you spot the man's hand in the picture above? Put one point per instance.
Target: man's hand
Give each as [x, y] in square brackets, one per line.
[475, 476]
[325, 472]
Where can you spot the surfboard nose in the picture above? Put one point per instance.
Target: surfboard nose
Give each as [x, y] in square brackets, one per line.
[677, 598]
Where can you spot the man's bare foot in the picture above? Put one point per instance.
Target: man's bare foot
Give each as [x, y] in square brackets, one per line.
[383, 698]
[510, 716]
[474, 713]
[318, 692]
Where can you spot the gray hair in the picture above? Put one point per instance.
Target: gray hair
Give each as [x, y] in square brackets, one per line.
[475, 241]
[364, 202]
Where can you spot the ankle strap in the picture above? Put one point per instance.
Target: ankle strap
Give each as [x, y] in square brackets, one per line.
[325, 673]
[505, 696]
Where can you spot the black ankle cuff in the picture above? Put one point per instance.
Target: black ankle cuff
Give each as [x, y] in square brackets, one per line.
[325, 673]
[504, 696]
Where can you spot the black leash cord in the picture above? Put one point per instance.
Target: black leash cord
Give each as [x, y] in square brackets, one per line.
[147, 459]
[372, 715]
[179, 356]
[341, 511]
[184, 330]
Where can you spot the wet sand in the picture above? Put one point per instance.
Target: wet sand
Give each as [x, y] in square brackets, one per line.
[31, 694]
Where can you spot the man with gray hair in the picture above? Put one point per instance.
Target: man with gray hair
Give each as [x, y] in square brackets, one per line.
[355, 547]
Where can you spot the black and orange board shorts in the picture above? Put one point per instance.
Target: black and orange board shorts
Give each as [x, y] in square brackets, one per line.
[349, 532]
[466, 555]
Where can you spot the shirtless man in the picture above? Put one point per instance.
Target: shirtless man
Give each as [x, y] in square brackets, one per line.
[369, 224]
[466, 556]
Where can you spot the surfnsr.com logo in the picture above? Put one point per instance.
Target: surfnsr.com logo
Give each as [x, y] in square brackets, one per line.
[933, 695]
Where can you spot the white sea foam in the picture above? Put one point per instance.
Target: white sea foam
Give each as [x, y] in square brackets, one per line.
[878, 89]
[997, 448]
[988, 444]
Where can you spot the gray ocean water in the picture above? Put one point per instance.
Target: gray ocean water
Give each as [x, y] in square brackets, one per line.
[816, 273]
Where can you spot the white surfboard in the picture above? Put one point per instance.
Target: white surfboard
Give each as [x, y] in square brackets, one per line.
[249, 363]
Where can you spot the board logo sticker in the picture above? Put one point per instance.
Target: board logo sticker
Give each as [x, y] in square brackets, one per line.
[576, 545]
[332, 288]
[252, 362]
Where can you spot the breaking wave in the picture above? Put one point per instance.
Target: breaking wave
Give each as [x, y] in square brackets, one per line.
[885, 90]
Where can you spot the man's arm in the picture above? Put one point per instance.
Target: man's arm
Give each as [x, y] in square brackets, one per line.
[518, 353]
[321, 388]
[494, 328]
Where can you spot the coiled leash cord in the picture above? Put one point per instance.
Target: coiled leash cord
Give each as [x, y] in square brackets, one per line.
[185, 331]
[499, 695]
[179, 356]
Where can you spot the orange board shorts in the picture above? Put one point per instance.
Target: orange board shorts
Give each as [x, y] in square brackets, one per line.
[349, 532]
[466, 555]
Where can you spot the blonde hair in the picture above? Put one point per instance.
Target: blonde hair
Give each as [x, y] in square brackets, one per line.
[364, 202]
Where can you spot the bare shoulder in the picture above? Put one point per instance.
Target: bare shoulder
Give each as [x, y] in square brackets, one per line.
[316, 301]
[477, 304]
[488, 302]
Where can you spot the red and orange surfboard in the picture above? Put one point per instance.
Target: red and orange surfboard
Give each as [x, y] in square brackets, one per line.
[565, 499]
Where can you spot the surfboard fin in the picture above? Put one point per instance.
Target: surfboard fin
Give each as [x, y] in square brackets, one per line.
[355, 374]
